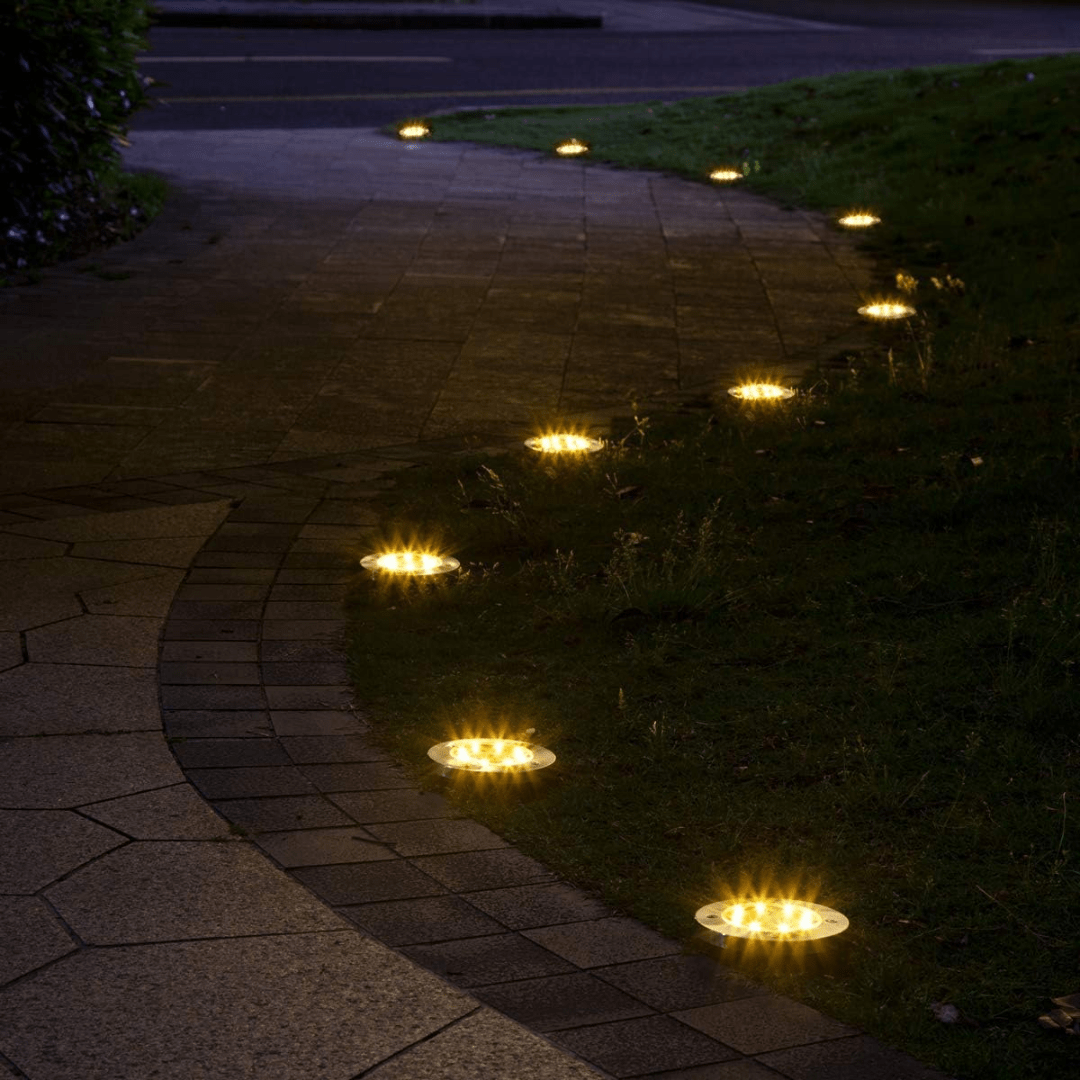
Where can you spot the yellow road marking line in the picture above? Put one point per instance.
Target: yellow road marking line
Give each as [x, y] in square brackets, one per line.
[460, 94]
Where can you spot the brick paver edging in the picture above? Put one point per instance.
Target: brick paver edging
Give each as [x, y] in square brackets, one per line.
[257, 705]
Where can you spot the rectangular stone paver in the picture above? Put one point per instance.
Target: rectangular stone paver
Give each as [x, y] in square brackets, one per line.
[758, 1024]
[668, 983]
[561, 1001]
[370, 883]
[388, 805]
[528, 906]
[467, 871]
[242, 783]
[316, 722]
[653, 1043]
[217, 723]
[372, 776]
[323, 847]
[603, 941]
[435, 837]
[277, 814]
[483, 960]
[848, 1059]
[413, 922]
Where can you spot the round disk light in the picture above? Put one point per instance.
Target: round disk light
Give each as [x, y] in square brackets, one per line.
[571, 148]
[859, 220]
[563, 443]
[771, 919]
[725, 176]
[761, 391]
[420, 564]
[491, 755]
[415, 129]
[886, 309]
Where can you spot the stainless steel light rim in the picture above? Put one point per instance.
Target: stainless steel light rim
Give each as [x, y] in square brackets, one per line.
[711, 916]
[542, 757]
[591, 447]
[786, 393]
[446, 565]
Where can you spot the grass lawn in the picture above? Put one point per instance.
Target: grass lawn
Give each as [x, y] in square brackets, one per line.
[829, 645]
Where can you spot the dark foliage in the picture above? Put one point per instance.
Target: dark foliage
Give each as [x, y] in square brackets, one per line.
[72, 83]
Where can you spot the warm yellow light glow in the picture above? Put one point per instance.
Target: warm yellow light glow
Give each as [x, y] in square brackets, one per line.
[725, 176]
[572, 147]
[491, 755]
[775, 919]
[886, 309]
[761, 391]
[419, 563]
[859, 220]
[563, 443]
[414, 130]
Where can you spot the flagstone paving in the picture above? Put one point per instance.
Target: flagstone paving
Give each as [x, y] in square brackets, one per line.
[207, 868]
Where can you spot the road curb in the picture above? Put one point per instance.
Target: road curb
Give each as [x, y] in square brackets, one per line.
[361, 17]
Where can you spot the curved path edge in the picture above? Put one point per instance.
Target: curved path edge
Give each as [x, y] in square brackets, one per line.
[260, 713]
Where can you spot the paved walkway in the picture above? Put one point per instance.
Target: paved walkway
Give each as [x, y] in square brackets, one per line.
[191, 437]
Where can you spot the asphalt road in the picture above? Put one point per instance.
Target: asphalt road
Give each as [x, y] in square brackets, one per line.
[263, 78]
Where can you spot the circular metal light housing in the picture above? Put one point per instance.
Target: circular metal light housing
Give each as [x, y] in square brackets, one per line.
[420, 564]
[771, 919]
[562, 442]
[761, 391]
[491, 755]
[886, 309]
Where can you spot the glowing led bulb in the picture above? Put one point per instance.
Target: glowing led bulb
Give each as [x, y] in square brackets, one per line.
[417, 563]
[491, 755]
[761, 391]
[886, 309]
[415, 130]
[859, 220]
[725, 176]
[563, 442]
[571, 148]
[772, 920]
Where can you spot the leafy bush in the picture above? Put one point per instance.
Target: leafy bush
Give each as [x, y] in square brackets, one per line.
[72, 84]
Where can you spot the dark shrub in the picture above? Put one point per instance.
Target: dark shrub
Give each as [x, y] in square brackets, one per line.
[72, 83]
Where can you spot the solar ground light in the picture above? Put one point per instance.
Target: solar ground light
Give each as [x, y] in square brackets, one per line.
[859, 219]
[725, 176]
[886, 309]
[761, 391]
[409, 563]
[563, 442]
[490, 756]
[773, 931]
[414, 129]
[571, 148]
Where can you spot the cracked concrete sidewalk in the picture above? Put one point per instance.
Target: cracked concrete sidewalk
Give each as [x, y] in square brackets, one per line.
[189, 432]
